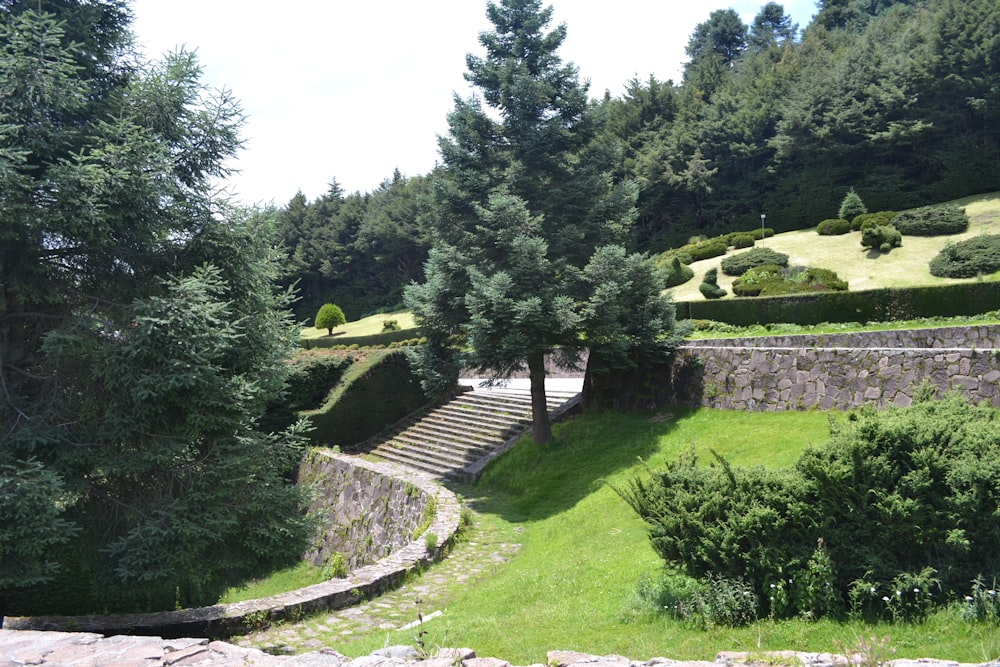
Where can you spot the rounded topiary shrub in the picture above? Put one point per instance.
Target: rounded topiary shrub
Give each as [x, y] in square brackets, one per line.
[709, 286]
[676, 273]
[932, 221]
[756, 280]
[967, 259]
[833, 227]
[881, 237]
[737, 265]
[871, 219]
[742, 240]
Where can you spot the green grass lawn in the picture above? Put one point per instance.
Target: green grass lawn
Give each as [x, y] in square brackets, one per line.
[583, 550]
[368, 326]
[907, 266]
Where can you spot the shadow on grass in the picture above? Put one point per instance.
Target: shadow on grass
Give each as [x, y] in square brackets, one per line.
[533, 482]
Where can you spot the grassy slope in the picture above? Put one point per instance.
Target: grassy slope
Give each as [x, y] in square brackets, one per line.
[903, 267]
[583, 550]
[367, 326]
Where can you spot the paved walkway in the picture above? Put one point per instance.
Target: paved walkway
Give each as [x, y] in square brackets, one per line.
[476, 555]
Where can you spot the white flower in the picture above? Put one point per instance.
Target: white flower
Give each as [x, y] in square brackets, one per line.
[916, 590]
[885, 598]
[968, 598]
[873, 589]
[899, 593]
[772, 585]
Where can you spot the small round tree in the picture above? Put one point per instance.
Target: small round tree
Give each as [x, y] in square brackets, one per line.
[328, 317]
[851, 206]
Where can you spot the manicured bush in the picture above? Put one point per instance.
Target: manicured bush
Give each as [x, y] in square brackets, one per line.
[979, 255]
[742, 240]
[677, 273]
[390, 325]
[756, 279]
[328, 317]
[765, 233]
[932, 221]
[709, 286]
[737, 265]
[881, 237]
[878, 218]
[833, 227]
[714, 247]
[902, 500]
[851, 205]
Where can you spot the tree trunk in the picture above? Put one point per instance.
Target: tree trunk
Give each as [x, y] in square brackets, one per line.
[541, 429]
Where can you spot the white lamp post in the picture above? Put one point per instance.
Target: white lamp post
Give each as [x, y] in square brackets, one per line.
[762, 216]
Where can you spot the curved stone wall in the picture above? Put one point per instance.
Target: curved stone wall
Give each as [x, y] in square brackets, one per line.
[350, 480]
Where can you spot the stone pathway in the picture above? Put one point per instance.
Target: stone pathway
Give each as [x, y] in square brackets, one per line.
[477, 555]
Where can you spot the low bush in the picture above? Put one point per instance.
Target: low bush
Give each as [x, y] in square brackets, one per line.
[892, 516]
[743, 240]
[833, 227]
[771, 280]
[881, 237]
[754, 281]
[979, 255]
[709, 286]
[871, 219]
[676, 273]
[737, 265]
[932, 221]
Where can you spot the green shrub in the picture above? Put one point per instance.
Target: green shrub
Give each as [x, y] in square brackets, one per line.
[903, 499]
[851, 206]
[833, 227]
[328, 317]
[765, 233]
[742, 240]
[869, 219]
[706, 249]
[979, 255]
[677, 273]
[881, 237]
[737, 265]
[932, 221]
[709, 286]
[754, 281]
[390, 325]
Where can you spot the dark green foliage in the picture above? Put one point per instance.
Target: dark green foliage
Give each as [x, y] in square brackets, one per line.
[932, 221]
[833, 227]
[387, 391]
[329, 316]
[312, 378]
[529, 222]
[881, 237]
[969, 258]
[742, 240]
[677, 273]
[866, 220]
[851, 206]
[709, 286]
[390, 325]
[703, 249]
[142, 335]
[900, 498]
[772, 280]
[866, 306]
[737, 265]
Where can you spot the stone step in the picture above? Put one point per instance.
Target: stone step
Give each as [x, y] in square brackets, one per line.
[447, 457]
[427, 433]
[470, 426]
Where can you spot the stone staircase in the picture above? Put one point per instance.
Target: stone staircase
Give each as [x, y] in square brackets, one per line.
[473, 427]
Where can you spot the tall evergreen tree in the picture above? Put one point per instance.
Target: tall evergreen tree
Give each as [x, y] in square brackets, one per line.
[140, 333]
[522, 205]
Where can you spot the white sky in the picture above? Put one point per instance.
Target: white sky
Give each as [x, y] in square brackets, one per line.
[353, 89]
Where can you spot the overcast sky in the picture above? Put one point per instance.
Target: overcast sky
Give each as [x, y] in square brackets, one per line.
[351, 90]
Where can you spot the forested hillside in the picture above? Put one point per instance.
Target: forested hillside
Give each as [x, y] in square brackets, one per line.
[899, 100]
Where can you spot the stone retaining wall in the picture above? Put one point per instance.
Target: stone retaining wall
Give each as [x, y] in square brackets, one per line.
[240, 617]
[365, 514]
[840, 371]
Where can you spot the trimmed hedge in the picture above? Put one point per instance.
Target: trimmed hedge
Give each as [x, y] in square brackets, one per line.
[737, 265]
[385, 390]
[969, 258]
[881, 237]
[833, 227]
[676, 273]
[882, 305]
[771, 280]
[709, 286]
[932, 221]
[878, 218]
[383, 339]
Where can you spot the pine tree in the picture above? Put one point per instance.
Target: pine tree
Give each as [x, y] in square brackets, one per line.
[522, 205]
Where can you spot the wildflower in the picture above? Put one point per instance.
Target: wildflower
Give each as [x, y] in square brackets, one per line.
[899, 593]
[968, 598]
[916, 590]
[885, 598]
[873, 590]
[772, 585]
[992, 592]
